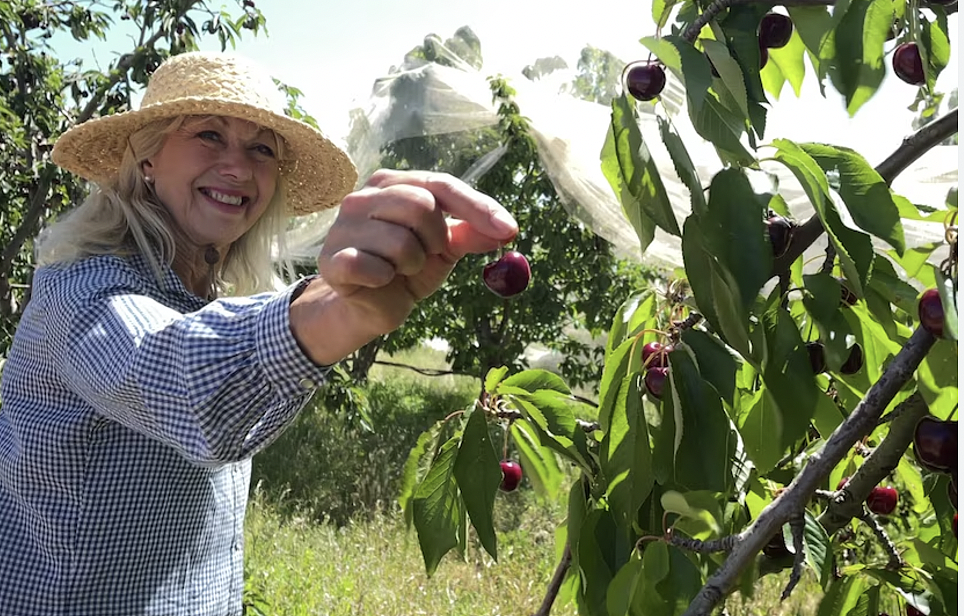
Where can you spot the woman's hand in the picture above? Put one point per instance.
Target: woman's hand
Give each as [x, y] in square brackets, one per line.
[394, 242]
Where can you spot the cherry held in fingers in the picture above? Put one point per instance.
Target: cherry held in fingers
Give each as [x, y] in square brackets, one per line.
[511, 475]
[509, 275]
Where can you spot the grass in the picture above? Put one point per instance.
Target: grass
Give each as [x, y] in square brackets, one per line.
[324, 534]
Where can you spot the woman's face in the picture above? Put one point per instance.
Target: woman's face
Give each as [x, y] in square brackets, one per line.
[216, 176]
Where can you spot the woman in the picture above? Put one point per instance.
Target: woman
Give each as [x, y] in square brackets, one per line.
[159, 351]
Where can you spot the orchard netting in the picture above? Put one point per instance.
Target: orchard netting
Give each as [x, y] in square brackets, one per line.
[422, 98]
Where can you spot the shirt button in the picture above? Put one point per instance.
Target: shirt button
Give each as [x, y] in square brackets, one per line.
[307, 383]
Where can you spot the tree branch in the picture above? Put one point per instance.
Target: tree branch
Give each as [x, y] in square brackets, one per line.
[910, 149]
[857, 425]
[38, 202]
[849, 503]
[719, 6]
[556, 583]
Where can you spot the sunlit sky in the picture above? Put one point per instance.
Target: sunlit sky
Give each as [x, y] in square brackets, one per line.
[333, 52]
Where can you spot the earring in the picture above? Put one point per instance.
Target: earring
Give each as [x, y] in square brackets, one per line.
[149, 179]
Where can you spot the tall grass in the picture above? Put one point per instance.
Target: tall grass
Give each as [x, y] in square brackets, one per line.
[324, 533]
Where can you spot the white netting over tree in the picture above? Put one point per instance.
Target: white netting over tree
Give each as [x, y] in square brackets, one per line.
[422, 98]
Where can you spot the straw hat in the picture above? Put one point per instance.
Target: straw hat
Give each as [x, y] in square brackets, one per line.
[317, 172]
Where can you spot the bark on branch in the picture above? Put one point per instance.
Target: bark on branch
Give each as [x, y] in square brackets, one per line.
[912, 148]
[855, 427]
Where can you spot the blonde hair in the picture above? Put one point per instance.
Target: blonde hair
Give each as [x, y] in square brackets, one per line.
[125, 217]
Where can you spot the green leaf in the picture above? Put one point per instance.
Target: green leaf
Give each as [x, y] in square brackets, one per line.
[647, 599]
[535, 379]
[947, 287]
[859, 41]
[935, 46]
[721, 127]
[842, 596]
[436, 507]
[683, 164]
[788, 376]
[713, 289]
[642, 222]
[740, 31]
[823, 304]
[867, 196]
[634, 315]
[662, 9]
[538, 462]
[735, 235]
[817, 547]
[682, 583]
[854, 248]
[638, 172]
[706, 429]
[494, 377]
[759, 428]
[868, 604]
[816, 29]
[617, 367]
[625, 457]
[717, 364]
[686, 63]
[826, 416]
[622, 588]
[789, 59]
[416, 466]
[731, 75]
[937, 378]
[478, 476]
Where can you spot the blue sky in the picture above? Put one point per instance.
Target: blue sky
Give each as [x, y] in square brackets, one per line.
[333, 51]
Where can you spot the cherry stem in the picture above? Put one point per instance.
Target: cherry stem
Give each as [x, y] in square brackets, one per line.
[505, 440]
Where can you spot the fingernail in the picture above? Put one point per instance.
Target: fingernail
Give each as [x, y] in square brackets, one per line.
[503, 221]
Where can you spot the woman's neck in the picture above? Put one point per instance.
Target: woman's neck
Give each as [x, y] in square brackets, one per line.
[198, 269]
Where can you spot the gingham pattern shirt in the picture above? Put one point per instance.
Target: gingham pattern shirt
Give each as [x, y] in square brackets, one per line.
[130, 411]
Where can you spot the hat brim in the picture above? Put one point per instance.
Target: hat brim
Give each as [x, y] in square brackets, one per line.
[318, 174]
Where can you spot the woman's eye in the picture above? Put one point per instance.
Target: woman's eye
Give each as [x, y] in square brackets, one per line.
[264, 150]
[209, 135]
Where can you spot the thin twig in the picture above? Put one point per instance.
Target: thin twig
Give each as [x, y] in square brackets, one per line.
[797, 525]
[895, 562]
[723, 544]
[855, 427]
[556, 583]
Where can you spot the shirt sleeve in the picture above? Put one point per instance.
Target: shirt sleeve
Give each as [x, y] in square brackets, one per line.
[217, 384]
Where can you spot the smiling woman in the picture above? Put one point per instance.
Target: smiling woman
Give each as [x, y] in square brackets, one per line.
[161, 348]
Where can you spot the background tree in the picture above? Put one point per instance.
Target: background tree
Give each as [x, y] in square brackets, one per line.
[43, 94]
[769, 415]
[579, 279]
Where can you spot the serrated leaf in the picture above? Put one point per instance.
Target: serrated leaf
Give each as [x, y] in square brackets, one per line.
[759, 427]
[842, 596]
[947, 288]
[638, 169]
[865, 193]
[683, 164]
[713, 290]
[788, 376]
[706, 429]
[637, 307]
[533, 380]
[685, 62]
[789, 60]
[817, 547]
[868, 604]
[854, 248]
[723, 128]
[937, 378]
[859, 42]
[616, 368]
[625, 456]
[538, 462]
[731, 75]
[619, 594]
[478, 476]
[416, 466]
[716, 363]
[435, 508]
[494, 377]
[734, 234]
[642, 223]
[934, 46]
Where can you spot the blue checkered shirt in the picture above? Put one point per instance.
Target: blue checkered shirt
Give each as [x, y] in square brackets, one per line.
[130, 412]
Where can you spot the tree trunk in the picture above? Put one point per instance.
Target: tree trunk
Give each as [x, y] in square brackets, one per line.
[364, 359]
